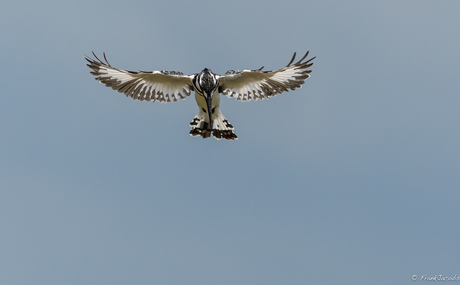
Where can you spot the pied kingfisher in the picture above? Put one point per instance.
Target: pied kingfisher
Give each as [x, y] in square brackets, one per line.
[170, 86]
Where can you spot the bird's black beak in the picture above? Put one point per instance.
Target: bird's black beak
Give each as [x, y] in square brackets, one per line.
[209, 104]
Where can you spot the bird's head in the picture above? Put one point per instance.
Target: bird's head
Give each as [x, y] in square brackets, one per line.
[208, 82]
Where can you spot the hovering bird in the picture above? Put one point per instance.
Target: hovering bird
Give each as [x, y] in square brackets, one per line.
[170, 86]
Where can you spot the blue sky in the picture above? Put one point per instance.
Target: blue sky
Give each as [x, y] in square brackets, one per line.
[352, 179]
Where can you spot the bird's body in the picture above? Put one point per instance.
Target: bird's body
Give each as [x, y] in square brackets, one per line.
[169, 86]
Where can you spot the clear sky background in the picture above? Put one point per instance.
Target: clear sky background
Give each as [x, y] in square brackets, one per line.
[352, 179]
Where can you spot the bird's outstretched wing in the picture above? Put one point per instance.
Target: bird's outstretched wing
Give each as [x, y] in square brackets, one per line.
[162, 86]
[257, 84]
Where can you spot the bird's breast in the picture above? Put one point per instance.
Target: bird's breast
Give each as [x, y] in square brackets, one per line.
[201, 101]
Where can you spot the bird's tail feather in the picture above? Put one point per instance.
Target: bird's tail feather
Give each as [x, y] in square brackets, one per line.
[221, 127]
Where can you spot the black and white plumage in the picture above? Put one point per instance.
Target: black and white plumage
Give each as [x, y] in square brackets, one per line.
[170, 86]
